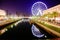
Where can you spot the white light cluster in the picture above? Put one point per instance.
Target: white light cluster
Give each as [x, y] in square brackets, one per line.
[2, 12]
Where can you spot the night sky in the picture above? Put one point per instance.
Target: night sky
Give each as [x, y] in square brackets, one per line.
[24, 6]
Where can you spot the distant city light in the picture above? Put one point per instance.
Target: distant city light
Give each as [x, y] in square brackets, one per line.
[3, 15]
[2, 12]
[38, 8]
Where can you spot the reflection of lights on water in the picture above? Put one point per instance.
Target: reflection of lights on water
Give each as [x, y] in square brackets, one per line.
[6, 29]
[11, 26]
[36, 32]
[45, 36]
[17, 22]
[3, 30]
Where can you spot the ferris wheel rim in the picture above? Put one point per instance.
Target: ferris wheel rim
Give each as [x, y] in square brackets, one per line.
[35, 4]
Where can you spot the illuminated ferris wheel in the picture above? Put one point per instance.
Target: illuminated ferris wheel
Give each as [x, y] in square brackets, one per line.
[38, 8]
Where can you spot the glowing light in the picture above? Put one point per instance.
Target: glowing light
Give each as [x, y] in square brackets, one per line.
[57, 18]
[6, 29]
[18, 22]
[2, 12]
[45, 36]
[37, 8]
[3, 30]
[46, 17]
[11, 26]
[36, 32]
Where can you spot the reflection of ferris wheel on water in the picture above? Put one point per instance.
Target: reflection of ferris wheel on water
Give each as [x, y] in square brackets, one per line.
[37, 8]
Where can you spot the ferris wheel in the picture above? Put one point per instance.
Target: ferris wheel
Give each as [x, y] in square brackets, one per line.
[38, 8]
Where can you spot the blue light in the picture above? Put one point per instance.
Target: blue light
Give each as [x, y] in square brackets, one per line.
[38, 8]
[36, 32]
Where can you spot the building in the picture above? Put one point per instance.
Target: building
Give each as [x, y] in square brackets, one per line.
[2, 15]
[54, 9]
[2, 12]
